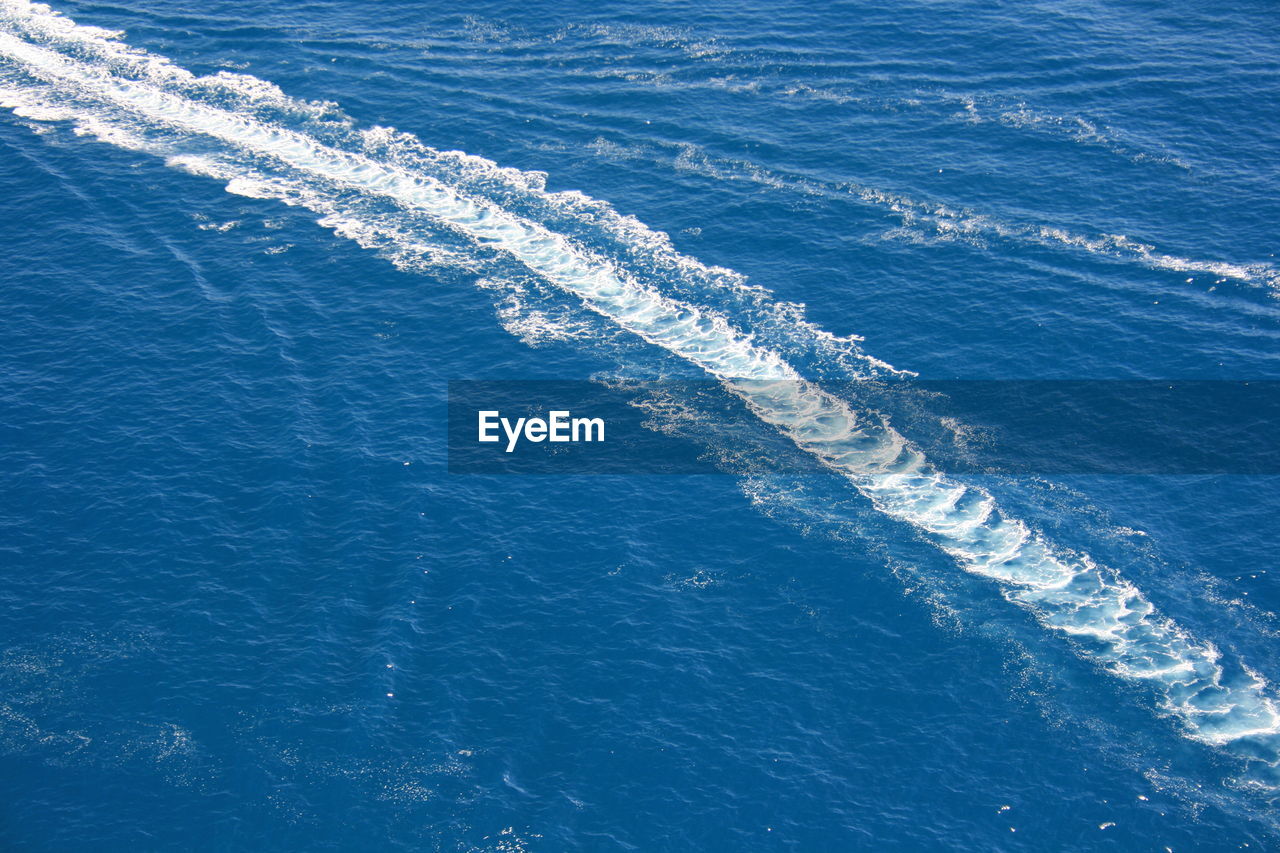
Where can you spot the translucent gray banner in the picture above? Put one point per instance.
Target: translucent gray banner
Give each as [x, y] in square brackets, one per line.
[1023, 427]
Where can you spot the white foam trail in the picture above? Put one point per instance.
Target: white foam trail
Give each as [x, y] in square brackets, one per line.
[942, 221]
[56, 70]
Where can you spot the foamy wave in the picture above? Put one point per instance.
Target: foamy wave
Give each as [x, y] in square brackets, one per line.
[979, 108]
[390, 192]
[926, 221]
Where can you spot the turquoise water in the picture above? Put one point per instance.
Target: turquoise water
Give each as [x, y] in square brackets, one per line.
[248, 606]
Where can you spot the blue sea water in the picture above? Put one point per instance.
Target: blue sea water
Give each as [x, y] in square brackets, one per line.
[246, 606]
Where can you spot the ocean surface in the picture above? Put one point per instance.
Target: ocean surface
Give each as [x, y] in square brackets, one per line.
[245, 248]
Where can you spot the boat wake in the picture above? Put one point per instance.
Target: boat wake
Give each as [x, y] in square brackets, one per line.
[431, 208]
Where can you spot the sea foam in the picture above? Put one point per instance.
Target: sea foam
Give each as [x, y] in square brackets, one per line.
[390, 191]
